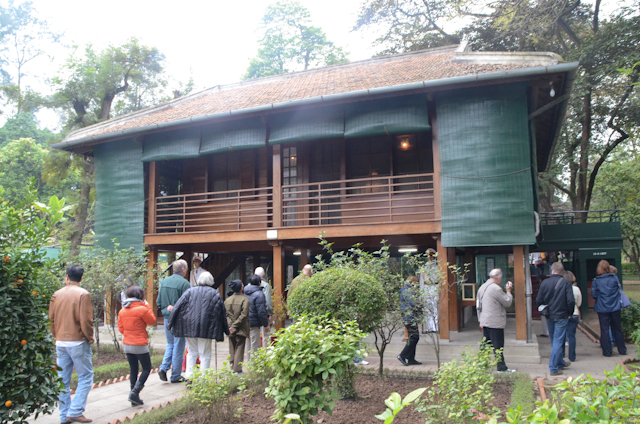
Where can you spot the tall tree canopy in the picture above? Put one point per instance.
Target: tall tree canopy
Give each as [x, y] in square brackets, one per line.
[290, 43]
[87, 86]
[605, 106]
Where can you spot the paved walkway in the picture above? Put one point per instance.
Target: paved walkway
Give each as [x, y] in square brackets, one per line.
[108, 403]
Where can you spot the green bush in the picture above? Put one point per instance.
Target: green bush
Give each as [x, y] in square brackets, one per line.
[219, 392]
[342, 293]
[29, 382]
[460, 389]
[259, 370]
[629, 269]
[630, 319]
[308, 356]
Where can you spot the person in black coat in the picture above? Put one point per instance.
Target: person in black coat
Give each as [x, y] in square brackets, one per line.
[199, 316]
[557, 293]
[257, 313]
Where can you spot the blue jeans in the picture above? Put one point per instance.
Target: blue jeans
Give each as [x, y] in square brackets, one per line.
[174, 354]
[80, 358]
[572, 325]
[557, 334]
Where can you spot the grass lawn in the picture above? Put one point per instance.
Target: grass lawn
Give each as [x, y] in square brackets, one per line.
[632, 291]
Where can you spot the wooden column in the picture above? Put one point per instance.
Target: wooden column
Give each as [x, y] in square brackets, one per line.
[443, 307]
[454, 324]
[151, 293]
[470, 258]
[277, 186]
[304, 257]
[519, 288]
[151, 210]
[278, 281]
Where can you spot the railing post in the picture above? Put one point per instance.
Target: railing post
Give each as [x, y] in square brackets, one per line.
[389, 187]
[184, 214]
[151, 212]
[238, 209]
[277, 186]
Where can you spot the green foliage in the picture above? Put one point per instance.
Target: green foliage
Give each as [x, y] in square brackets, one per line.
[310, 354]
[290, 43]
[523, 395]
[177, 408]
[460, 389]
[587, 400]
[259, 370]
[344, 294]
[630, 319]
[106, 274]
[29, 382]
[395, 404]
[219, 392]
[630, 271]
[24, 125]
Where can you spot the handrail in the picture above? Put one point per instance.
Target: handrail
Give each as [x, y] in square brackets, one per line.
[580, 217]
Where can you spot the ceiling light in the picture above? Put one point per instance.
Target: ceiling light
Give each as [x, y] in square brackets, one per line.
[297, 253]
[407, 250]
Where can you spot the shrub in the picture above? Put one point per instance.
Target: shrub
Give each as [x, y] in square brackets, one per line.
[630, 319]
[308, 356]
[259, 370]
[217, 391]
[630, 270]
[29, 382]
[342, 293]
[460, 389]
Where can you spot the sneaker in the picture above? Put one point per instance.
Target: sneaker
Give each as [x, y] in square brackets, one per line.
[506, 371]
[543, 335]
[180, 380]
[162, 374]
[403, 361]
[566, 364]
[414, 362]
[559, 372]
[79, 419]
[361, 362]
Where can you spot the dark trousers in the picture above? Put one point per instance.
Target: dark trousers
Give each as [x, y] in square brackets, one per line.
[236, 352]
[409, 351]
[494, 337]
[613, 320]
[540, 273]
[145, 360]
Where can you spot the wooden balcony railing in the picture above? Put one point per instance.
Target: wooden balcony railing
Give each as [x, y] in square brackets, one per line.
[362, 201]
[407, 198]
[248, 209]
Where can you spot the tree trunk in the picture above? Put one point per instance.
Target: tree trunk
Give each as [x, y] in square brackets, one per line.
[584, 150]
[82, 210]
[105, 109]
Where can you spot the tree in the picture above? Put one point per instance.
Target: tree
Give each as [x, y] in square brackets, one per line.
[24, 125]
[29, 382]
[290, 43]
[22, 37]
[604, 107]
[86, 89]
[619, 188]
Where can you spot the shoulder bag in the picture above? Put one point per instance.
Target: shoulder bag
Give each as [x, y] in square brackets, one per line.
[624, 300]
[543, 309]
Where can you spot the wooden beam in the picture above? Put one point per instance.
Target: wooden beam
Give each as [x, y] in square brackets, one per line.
[519, 288]
[304, 257]
[151, 293]
[435, 147]
[443, 309]
[151, 210]
[301, 233]
[548, 106]
[219, 279]
[277, 186]
[454, 324]
[278, 282]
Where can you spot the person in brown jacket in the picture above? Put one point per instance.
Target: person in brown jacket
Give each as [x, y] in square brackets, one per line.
[133, 319]
[71, 316]
[237, 306]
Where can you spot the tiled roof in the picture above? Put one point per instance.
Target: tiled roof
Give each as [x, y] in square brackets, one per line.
[389, 71]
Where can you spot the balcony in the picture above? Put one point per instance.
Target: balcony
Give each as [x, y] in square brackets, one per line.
[362, 201]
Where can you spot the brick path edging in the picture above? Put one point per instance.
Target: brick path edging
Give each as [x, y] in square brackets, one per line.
[113, 380]
[144, 411]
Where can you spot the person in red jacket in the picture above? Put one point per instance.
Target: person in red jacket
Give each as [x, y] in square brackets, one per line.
[133, 319]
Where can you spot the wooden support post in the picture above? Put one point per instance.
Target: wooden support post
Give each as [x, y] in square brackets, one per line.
[470, 258]
[304, 257]
[443, 307]
[153, 185]
[278, 283]
[277, 186]
[435, 147]
[151, 292]
[519, 288]
[454, 315]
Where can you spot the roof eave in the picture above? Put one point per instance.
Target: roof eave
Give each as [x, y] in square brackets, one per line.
[359, 95]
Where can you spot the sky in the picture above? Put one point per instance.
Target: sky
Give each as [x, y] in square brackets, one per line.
[209, 40]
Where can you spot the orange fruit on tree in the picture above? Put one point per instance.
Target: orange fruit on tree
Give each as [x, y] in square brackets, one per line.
[24, 342]
[35, 293]
[18, 280]
[7, 259]
[8, 404]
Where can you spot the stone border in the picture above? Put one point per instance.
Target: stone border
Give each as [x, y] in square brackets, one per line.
[582, 326]
[114, 380]
[626, 361]
[143, 411]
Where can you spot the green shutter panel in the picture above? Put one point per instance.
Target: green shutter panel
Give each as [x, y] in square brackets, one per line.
[120, 198]
[399, 115]
[176, 144]
[307, 124]
[234, 135]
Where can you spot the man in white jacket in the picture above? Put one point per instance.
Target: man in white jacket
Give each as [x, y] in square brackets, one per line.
[492, 314]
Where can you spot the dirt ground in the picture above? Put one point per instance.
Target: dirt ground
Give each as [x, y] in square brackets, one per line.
[108, 357]
[372, 393]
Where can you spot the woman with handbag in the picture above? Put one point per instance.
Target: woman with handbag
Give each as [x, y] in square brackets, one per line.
[606, 290]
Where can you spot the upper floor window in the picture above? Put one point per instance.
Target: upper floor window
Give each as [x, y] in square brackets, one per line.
[225, 173]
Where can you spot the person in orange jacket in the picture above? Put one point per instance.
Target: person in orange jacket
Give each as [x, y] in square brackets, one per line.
[133, 319]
